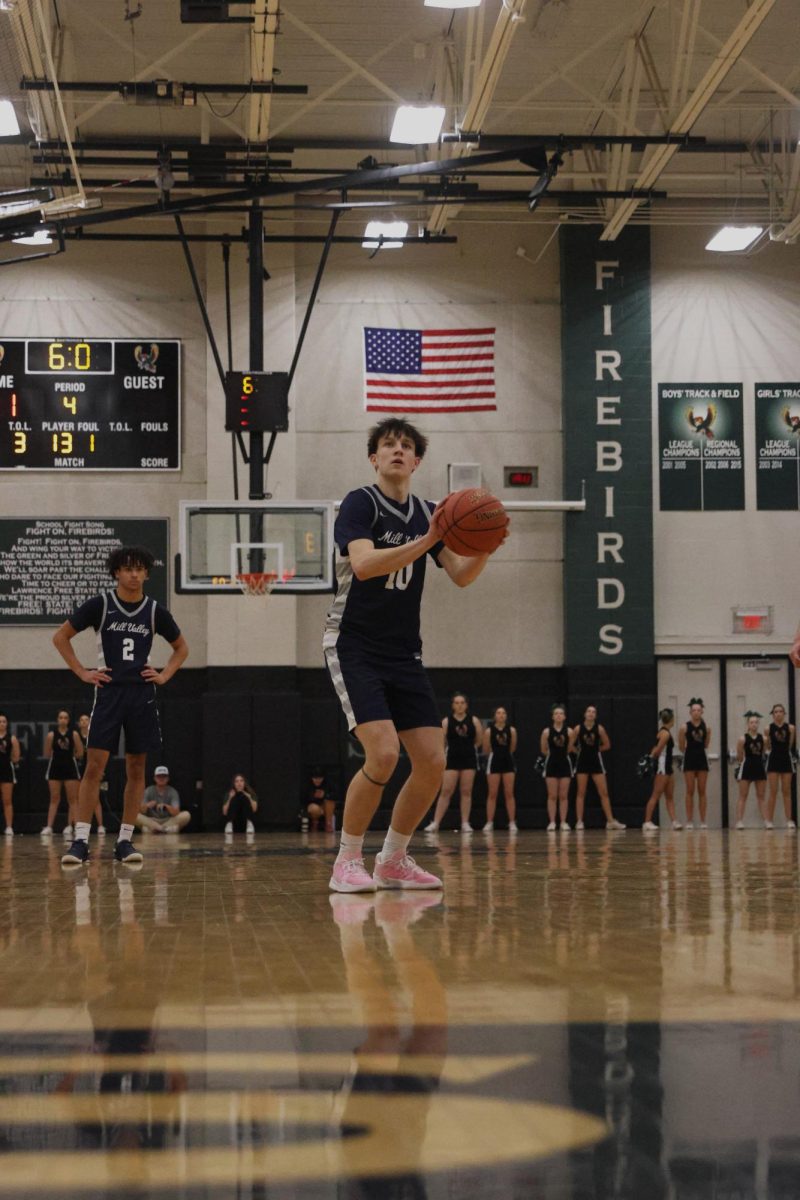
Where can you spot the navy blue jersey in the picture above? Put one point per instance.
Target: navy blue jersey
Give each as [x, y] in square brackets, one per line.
[381, 613]
[125, 632]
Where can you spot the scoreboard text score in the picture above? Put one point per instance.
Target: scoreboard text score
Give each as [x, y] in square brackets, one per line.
[89, 404]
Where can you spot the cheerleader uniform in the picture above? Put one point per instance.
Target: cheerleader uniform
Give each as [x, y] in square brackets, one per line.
[779, 760]
[501, 760]
[664, 760]
[751, 767]
[7, 772]
[63, 764]
[590, 760]
[695, 757]
[557, 764]
[461, 751]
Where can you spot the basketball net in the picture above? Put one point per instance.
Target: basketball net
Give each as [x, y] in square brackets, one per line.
[257, 583]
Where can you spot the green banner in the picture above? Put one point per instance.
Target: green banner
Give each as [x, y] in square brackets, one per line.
[701, 447]
[778, 445]
[606, 372]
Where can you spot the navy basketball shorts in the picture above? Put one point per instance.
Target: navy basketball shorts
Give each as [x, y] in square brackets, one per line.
[372, 688]
[130, 708]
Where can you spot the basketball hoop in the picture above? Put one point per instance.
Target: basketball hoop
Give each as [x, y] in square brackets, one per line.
[257, 583]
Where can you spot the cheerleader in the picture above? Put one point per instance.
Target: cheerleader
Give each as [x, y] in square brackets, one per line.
[750, 757]
[589, 740]
[462, 737]
[664, 780]
[499, 746]
[553, 744]
[9, 757]
[693, 741]
[64, 749]
[780, 739]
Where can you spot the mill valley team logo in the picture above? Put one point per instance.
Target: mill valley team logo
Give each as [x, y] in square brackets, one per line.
[146, 359]
[702, 425]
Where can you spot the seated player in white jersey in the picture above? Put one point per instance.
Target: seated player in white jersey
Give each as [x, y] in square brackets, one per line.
[383, 535]
[125, 684]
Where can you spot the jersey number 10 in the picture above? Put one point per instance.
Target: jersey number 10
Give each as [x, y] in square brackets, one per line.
[400, 580]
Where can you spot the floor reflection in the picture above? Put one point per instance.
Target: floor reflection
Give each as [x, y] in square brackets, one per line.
[587, 1017]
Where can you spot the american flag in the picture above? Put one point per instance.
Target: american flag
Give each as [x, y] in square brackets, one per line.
[429, 370]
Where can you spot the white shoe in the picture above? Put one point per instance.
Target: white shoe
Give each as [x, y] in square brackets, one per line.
[513, 827]
[249, 827]
[488, 827]
[650, 826]
[432, 828]
[466, 827]
[703, 825]
[676, 825]
[690, 824]
[229, 827]
[101, 831]
[46, 832]
[551, 828]
[614, 824]
[791, 825]
[767, 825]
[9, 831]
[67, 831]
[565, 828]
[740, 824]
[579, 825]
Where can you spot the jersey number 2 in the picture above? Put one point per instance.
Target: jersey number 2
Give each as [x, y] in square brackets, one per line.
[400, 579]
[127, 649]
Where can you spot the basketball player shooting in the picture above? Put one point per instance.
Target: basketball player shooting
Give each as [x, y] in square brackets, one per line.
[124, 690]
[372, 645]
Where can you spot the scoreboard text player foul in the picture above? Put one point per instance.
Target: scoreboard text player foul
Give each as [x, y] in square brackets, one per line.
[90, 404]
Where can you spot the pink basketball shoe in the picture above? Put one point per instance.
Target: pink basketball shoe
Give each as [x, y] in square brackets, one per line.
[350, 875]
[400, 871]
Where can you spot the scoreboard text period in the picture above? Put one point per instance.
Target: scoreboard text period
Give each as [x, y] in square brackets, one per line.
[89, 404]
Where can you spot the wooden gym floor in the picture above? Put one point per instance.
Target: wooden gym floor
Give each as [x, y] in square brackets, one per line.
[579, 1017]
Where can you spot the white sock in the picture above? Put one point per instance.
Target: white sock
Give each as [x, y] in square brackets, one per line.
[81, 831]
[125, 833]
[350, 846]
[396, 843]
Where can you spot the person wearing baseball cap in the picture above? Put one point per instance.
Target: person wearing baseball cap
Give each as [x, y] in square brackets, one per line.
[161, 806]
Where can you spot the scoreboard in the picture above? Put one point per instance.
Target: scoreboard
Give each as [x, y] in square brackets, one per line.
[88, 404]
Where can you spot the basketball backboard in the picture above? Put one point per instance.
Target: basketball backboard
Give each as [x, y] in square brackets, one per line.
[219, 541]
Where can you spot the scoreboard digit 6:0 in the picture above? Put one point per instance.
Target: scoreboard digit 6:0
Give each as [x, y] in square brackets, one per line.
[89, 404]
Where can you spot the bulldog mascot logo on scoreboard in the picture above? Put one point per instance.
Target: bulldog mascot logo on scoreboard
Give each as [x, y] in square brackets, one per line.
[147, 359]
[791, 419]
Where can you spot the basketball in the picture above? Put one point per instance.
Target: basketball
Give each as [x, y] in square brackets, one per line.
[473, 522]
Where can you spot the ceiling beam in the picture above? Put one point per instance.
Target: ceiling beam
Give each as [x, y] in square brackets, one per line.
[486, 82]
[727, 57]
[263, 35]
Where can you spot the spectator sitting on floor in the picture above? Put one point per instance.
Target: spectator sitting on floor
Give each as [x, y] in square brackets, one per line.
[239, 806]
[161, 806]
[320, 803]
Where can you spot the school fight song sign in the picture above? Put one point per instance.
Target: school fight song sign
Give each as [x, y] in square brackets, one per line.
[606, 371]
[778, 445]
[701, 452]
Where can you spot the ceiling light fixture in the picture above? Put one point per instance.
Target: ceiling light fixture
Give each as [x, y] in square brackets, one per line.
[452, 3]
[417, 126]
[9, 125]
[379, 234]
[40, 238]
[735, 237]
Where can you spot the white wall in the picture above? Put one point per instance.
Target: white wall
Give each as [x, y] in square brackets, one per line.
[512, 615]
[713, 317]
[724, 317]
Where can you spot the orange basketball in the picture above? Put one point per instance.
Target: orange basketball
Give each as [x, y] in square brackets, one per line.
[473, 522]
